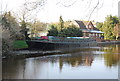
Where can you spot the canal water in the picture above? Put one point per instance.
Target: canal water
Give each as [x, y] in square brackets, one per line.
[84, 63]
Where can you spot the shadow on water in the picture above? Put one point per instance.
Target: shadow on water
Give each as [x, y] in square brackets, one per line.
[66, 64]
[36, 53]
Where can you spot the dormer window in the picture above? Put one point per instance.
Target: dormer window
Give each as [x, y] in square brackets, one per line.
[87, 26]
[90, 26]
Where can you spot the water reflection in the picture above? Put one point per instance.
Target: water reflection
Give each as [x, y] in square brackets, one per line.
[85, 61]
[76, 61]
[112, 55]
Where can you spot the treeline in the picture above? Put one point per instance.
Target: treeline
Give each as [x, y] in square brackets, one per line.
[13, 29]
[110, 27]
[64, 29]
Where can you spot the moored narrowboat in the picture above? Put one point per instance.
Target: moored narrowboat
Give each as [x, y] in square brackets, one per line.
[52, 42]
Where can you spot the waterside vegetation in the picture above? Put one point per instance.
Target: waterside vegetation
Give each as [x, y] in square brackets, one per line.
[62, 30]
[13, 30]
[110, 27]
[20, 44]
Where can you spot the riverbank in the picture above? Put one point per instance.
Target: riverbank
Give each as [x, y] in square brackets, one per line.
[20, 44]
[109, 42]
[22, 51]
[26, 53]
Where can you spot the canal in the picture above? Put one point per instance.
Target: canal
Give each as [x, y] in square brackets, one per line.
[84, 63]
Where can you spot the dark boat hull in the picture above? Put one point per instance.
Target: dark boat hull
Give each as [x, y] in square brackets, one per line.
[53, 46]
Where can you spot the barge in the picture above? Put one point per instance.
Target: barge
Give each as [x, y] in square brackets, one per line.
[52, 42]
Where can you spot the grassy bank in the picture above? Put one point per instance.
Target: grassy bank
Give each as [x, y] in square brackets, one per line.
[19, 44]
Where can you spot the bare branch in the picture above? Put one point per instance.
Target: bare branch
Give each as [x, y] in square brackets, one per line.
[34, 5]
[3, 7]
[67, 3]
[93, 10]
[88, 5]
[70, 4]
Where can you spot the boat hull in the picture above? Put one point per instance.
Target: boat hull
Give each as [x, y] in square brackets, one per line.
[57, 45]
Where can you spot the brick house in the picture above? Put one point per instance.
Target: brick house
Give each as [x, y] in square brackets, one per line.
[88, 29]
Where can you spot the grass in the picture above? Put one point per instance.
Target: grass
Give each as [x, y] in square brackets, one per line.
[19, 44]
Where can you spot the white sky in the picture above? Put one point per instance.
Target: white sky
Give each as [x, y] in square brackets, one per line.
[51, 12]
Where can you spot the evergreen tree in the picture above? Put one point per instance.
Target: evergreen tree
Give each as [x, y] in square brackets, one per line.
[24, 30]
[53, 31]
[71, 31]
[61, 23]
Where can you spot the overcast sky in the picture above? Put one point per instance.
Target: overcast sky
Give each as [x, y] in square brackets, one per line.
[79, 11]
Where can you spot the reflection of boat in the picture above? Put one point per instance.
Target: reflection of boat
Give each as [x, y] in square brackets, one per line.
[51, 42]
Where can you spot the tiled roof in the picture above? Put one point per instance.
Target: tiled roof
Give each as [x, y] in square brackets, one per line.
[84, 24]
[81, 24]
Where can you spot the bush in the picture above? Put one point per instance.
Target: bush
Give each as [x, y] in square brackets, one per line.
[71, 32]
[53, 31]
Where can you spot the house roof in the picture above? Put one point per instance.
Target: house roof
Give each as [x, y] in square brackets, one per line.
[81, 24]
[86, 22]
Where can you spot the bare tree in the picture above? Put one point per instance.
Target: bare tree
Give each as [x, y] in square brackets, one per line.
[9, 28]
[66, 3]
[28, 13]
[10, 31]
[89, 7]
[5, 32]
[3, 7]
[29, 10]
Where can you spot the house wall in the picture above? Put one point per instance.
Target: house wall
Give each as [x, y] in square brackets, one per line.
[92, 35]
[88, 29]
[90, 26]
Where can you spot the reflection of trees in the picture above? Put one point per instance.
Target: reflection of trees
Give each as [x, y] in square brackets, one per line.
[112, 56]
[111, 59]
[74, 61]
[21, 68]
[13, 68]
[30, 68]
